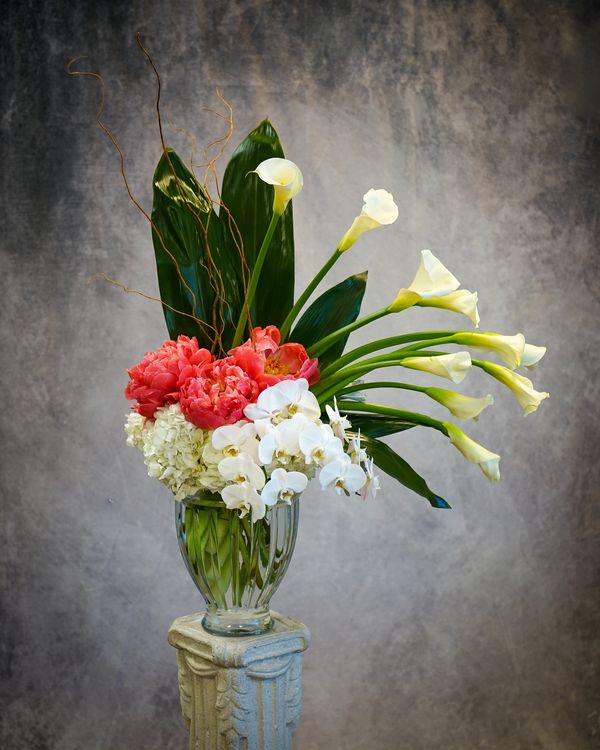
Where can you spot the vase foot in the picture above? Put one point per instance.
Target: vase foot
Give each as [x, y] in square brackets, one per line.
[237, 622]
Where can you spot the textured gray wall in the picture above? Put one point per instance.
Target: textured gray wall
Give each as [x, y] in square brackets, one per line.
[475, 628]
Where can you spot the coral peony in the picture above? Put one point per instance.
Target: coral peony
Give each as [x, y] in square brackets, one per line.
[156, 380]
[217, 394]
[268, 363]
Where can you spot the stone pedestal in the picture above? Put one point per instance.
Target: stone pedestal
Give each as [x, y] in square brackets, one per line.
[240, 693]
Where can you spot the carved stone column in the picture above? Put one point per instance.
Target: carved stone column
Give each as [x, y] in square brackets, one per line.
[240, 693]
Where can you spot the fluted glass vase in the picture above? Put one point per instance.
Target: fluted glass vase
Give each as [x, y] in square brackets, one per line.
[237, 565]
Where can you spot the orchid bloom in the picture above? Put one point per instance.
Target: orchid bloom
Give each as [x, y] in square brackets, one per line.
[285, 399]
[435, 286]
[339, 423]
[245, 498]
[344, 476]
[488, 462]
[452, 366]
[286, 178]
[319, 445]
[522, 387]
[233, 439]
[283, 486]
[372, 485]
[241, 469]
[462, 407]
[281, 442]
[378, 210]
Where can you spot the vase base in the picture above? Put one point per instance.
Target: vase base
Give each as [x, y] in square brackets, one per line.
[237, 623]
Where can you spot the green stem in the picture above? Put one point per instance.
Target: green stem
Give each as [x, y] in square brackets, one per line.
[252, 286]
[328, 341]
[381, 384]
[390, 411]
[302, 299]
[373, 346]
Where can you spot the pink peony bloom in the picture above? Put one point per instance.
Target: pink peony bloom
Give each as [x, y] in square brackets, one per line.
[217, 394]
[156, 380]
[268, 363]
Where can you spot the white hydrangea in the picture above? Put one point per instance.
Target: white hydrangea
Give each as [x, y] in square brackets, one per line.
[135, 427]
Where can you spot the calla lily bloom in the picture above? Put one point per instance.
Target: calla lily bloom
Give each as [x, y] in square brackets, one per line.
[462, 407]
[286, 178]
[435, 286]
[378, 210]
[509, 348]
[488, 462]
[452, 366]
[522, 387]
[532, 355]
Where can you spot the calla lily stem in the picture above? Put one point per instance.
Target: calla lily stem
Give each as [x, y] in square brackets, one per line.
[252, 286]
[389, 411]
[303, 298]
[328, 341]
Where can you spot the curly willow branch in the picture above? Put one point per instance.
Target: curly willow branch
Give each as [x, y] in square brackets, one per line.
[141, 209]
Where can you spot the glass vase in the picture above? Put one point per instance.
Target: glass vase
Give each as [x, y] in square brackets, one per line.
[237, 565]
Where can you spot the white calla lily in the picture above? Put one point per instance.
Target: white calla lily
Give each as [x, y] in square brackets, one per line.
[378, 210]
[452, 366]
[532, 355]
[462, 407]
[283, 486]
[286, 178]
[432, 279]
[319, 445]
[462, 301]
[509, 348]
[522, 387]
[241, 469]
[283, 400]
[245, 498]
[344, 476]
[488, 462]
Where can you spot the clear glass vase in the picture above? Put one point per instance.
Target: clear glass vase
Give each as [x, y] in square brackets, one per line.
[237, 565]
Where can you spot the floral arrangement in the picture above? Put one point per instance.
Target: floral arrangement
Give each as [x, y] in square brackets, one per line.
[253, 394]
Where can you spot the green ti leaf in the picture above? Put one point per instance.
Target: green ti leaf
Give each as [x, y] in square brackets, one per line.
[196, 274]
[334, 309]
[245, 215]
[390, 462]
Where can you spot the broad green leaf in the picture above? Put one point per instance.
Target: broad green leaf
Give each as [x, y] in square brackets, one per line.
[245, 215]
[196, 274]
[334, 309]
[390, 462]
[377, 425]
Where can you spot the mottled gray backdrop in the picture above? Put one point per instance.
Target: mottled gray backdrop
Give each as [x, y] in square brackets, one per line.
[471, 628]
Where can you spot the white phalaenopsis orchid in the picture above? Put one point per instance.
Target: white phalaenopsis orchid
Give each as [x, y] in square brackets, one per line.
[286, 178]
[283, 486]
[372, 485]
[339, 422]
[284, 400]
[233, 439]
[355, 451]
[462, 407]
[343, 476]
[281, 442]
[522, 387]
[378, 210]
[245, 498]
[452, 366]
[532, 355]
[242, 468]
[488, 462]
[509, 348]
[319, 445]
